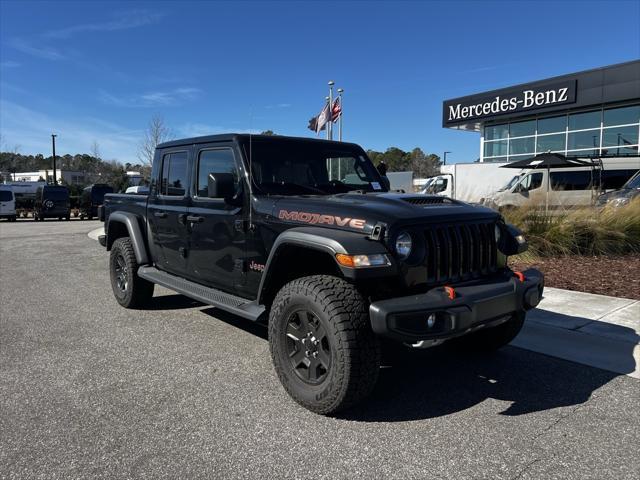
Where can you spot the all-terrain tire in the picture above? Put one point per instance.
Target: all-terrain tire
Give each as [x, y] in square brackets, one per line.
[130, 290]
[353, 351]
[491, 339]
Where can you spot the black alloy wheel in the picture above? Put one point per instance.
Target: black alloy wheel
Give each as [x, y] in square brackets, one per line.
[308, 346]
[122, 277]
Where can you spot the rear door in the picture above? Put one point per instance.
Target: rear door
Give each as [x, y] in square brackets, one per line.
[217, 237]
[167, 211]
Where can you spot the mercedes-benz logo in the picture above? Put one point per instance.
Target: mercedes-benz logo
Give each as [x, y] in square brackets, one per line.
[48, 204]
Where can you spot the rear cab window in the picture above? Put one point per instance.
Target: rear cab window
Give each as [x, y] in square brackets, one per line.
[173, 178]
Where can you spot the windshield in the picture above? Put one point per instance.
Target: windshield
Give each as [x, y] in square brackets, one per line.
[510, 183]
[54, 193]
[634, 182]
[299, 168]
[6, 195]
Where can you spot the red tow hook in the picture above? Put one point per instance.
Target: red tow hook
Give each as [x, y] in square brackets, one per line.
[450, 292]
[520, 276]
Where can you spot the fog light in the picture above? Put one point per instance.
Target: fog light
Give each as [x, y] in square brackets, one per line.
[431, 320]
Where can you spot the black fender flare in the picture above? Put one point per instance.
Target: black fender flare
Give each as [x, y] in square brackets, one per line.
[328, 241]
[130, 221]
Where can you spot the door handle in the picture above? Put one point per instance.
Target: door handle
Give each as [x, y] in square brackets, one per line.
[195, 219]
[160, 214]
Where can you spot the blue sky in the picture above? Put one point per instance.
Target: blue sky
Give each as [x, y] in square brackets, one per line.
[97, 71]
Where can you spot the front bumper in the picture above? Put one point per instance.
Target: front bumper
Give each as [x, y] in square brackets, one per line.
[487, 303]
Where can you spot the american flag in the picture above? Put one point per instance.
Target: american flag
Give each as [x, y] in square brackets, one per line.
[336, 110]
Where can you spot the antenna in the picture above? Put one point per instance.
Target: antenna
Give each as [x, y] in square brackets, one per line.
[250, 170]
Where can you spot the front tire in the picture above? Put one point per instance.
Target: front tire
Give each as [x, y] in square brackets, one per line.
[491, 339]
[130, 290]
[322, 346]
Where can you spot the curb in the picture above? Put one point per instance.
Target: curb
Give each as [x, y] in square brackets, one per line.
[94, 234]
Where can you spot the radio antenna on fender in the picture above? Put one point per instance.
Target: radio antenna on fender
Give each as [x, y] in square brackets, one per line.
[250, 226]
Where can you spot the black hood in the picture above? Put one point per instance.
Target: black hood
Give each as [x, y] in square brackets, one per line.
[362, 211]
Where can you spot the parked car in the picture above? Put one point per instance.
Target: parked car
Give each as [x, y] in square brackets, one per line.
[7, 203]
[52, 201]
[259, 226]
[624, 195]
[92, 197]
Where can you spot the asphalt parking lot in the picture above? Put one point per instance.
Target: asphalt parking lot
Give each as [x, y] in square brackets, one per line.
[89, 389]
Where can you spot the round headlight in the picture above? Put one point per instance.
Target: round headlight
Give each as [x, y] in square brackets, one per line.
[497, 233]
[403, 245]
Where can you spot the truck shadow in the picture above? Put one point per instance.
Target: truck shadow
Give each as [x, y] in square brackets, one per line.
[440, 381]
[174, 301]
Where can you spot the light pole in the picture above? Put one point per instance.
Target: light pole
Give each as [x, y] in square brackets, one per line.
[53, 145]
[340, 92]
[444, 161]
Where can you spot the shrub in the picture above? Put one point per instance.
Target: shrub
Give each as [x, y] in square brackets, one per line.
[579, 230]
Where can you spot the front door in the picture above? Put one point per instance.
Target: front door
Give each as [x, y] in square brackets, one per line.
[217, 237]
[167, 213]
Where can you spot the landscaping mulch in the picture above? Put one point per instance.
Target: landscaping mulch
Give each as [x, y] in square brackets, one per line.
[604, 275]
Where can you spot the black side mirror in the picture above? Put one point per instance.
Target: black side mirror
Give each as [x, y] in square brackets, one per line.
[220, 185]
[512, 241]
[385, 181]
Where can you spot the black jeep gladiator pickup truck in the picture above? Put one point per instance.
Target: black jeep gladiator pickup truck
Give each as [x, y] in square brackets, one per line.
[305, 235]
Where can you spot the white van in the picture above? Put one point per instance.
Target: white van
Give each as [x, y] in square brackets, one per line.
[7, 203]
[575, 186]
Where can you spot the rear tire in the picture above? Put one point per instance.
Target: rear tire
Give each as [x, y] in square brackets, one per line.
[130, 290]
[322, 346]
[492, 339]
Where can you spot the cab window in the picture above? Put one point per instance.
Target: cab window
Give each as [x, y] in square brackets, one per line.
[214, 161]
[530, 182]
[440, 185]
[174, 174]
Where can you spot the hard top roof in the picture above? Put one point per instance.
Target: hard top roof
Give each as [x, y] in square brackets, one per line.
[244, 137]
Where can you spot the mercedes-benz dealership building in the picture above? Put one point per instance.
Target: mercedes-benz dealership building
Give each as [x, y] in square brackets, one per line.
[590, 114]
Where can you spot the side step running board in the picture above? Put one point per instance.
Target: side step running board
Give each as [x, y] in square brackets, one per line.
[210, 296]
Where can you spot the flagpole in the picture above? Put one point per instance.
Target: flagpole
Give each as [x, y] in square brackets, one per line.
[340, 92]
[326, 99]
[330, 127]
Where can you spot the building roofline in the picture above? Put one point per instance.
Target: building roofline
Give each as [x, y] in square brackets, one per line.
[545, 80]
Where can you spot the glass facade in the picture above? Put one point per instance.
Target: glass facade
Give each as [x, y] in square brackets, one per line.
[608, 131]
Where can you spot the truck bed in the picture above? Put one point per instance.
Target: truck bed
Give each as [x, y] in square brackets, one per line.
[125, 202]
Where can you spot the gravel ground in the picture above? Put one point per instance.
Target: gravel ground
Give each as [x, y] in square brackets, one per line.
[614, 276]
[89, 389]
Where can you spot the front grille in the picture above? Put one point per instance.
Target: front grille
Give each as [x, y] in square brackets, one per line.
[460, 252]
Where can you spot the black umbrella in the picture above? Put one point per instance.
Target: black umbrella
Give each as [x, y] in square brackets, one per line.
[548, 160]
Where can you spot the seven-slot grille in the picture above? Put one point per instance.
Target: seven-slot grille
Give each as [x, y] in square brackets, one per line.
[460, 252]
